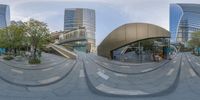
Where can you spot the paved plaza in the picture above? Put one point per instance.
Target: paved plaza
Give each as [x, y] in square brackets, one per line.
[91, 77]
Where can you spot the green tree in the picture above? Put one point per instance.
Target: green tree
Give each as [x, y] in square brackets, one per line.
[195, 40]
[12, 37]
[17, 36]
[38, 35]
[3, 38]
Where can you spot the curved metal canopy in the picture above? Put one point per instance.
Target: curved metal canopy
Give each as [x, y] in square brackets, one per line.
[130, 33]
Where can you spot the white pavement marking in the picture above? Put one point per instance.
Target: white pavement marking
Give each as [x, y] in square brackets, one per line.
[17, 71]
[99, 69]
[81, 73]
[105, 63]
[49, 80]
[192, 72]
[125, 66]
[170, 72]
[120, 75]
[102, 75]
[48, 69]
[146, 70]
[174, 61]
[112, 90]
[198, 64]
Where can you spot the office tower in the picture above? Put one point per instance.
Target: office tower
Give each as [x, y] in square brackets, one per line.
[79, 18]
[184, 20]
[4, 15]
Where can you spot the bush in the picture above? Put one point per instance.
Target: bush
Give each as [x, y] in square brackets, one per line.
[8, 58]
[34, 61]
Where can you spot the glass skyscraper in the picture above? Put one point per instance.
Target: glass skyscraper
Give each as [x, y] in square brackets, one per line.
[76, 18]
[4, 15]
[184, 20]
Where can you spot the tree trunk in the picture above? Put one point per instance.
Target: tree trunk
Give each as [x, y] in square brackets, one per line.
[34, 53]
[15, 51]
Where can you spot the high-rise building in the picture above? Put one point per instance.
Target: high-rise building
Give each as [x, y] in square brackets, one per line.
[4, 15]
[77, 18]
[184, 20]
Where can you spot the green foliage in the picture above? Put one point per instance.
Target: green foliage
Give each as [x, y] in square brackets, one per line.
[38, 35]
[195, 40]
[3, 38]
[8, 57]
[147, 44]
[34, 61]
[31, 34]
[12, 37]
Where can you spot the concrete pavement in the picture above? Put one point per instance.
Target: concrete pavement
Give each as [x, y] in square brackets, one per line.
[35, 75]
[176, 80]
[126, 68]
[143, 84]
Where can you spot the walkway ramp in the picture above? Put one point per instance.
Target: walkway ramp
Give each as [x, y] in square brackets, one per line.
[63, 51]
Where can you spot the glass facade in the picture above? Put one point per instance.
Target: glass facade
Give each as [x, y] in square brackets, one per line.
[142, 51]
[81, 17]
[75, 40]
[4, 15]
[184, 20]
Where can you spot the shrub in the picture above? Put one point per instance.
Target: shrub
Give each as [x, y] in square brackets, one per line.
[8, 57]
[34, 61]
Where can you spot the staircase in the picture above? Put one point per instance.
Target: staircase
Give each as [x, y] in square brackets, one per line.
[63, 51]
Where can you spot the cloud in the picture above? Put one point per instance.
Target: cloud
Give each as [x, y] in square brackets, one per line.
[125, 11]
[42, 16]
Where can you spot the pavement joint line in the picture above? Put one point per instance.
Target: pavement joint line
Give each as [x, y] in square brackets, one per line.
[87, 62]
[31, 65]
[125, 66]
[49, 80]
[146, 70]
[117, 91]
[193, 74]
[48, 69]
[102, 75]
[97, 61]
[170, 72]
[17, 71]
[99, 69]
[183, 63]
[67, 64]
[82, 74]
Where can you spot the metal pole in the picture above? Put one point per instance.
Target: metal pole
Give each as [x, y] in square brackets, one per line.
[140, 53]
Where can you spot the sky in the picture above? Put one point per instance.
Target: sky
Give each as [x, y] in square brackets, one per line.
[110, 14]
